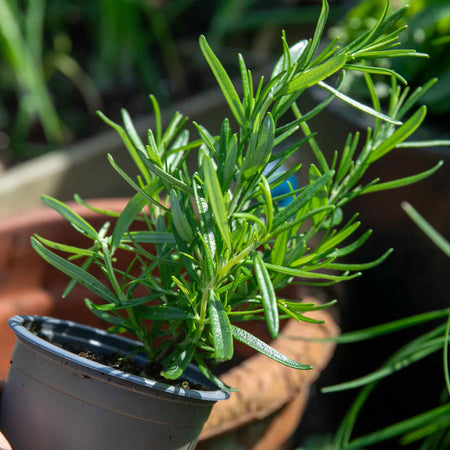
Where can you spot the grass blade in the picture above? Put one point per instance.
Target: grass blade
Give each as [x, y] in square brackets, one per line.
[428, 229]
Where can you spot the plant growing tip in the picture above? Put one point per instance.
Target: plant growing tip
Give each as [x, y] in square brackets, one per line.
[214, 246]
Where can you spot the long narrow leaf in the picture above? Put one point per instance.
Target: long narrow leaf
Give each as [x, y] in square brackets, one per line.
[269, 299]
[306, 196]
[73, 271]
[224, 81]
[400, 427]
[358, 105]
[178, 363]
[70, 216]
[150, 237]
[115, 320]
[317, 74]
[128, 215]
[253, 342]
[305, 274]
[401, 182]
[427, 228]
[400, 134]
[216, 200]
[220, 328]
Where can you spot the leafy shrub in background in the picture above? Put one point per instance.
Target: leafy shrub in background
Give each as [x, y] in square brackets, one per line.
[65, 57]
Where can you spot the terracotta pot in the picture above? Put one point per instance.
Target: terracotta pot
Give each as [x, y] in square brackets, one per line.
[29, 285]
[271, 397]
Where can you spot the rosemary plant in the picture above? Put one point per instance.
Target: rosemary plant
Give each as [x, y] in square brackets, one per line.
[218, 246]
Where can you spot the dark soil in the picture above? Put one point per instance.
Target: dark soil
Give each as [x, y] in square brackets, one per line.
[121, 362]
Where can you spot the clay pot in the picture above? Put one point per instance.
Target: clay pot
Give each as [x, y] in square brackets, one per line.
[271, 399]
[29, 285]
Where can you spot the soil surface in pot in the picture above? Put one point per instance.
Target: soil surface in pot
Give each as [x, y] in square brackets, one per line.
[120, 362]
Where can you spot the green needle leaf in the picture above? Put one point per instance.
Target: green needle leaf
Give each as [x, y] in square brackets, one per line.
[269, 299]
[224, 81]
[253, 342]
[306, 196]
[133, 208]
[77, 221]
[401, 182]
[73, 271]
[216, 200]
[256, 158]
[400, 134]
[427, 228]
[220, 328]
[178, 362]
[115, 320]
[358, 105]
[179, 218]
[313, 76]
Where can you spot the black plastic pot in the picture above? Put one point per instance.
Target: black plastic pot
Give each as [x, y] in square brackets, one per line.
[54, 399]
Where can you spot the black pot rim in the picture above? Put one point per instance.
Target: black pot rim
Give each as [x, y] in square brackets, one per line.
[17, 324]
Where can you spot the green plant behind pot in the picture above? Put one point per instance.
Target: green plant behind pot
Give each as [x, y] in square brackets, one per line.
[427, 28]
[429, 428]
[223, 246]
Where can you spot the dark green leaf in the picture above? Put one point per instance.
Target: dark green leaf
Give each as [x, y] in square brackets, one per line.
[73, 271]
[115, 320]
[427, 228]
[220, 329]
[216, 200]
[318, 32]
[128, 144]
[256, 157]
[128, 215]
[163, 312]
[305, 197]
[305, 274]
[313, 76]
[400, 134]
[177, 362]
[179, 218]
[269, 299]
[71, 216]
[401, 182]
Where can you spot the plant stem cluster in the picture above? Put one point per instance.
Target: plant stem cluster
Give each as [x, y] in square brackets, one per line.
[218, 245]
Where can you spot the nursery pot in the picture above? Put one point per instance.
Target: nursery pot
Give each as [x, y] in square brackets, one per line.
[55, 399]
